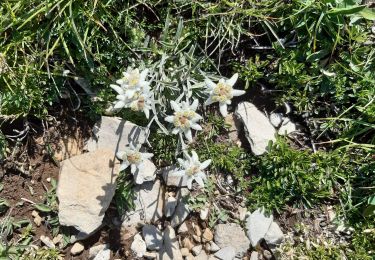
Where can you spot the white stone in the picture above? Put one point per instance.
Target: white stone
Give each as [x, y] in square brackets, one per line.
[257, 225]
[170, 206]
[204, 213]
[242, 213]
[149, 202]
[148, 172]
[93, 251]
[202, 256]
[172, 180]
[182, 209]
[232, 235]
[274, 235]
[287, 127]
[171, 247]
[214, 247]
[47, 241]
[254, 255]
[196, 250]
[259, 131]
[153, 237]
[182, 228]
[114, 134]
[226, 253]
[276, 119]
[105, 254]
[138, 246]
[100, 252]
[76, 249]
[86, 186]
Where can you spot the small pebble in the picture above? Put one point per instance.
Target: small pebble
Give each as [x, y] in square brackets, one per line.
[47, 241]
[77, 249]
[267, 254]
[185, 251]
[207, 235]
[196, 250]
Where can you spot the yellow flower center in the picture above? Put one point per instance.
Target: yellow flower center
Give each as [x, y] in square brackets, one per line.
[182, 119]
[134, 157]
[222, 92]
[192, 170]
[133, 78]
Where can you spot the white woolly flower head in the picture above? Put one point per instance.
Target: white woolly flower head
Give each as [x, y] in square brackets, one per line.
[137, 97]
[142, 101]
[131, 156]
[222, 92]
[133, 80]
[193, 169]
[185, 118]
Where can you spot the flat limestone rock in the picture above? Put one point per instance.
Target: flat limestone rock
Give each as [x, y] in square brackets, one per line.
[171, 179]
[148, 173]
[257, 225]
[149, 203]
[86, 186]
[115, 134]
[259, 130]
[232, 235]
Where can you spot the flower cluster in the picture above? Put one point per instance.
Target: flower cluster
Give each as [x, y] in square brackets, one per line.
[134, 91]
[132, 157]
[192, 168]
[184, 118]
[222, 92]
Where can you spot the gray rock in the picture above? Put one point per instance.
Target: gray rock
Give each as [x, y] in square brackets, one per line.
[105, 254]
[170, 206]
[182, 209]
[114, 134]
[138, 246]
[276, 119]
[257, 225]
[201, 256]
[254, 255]
[259, 131]
[47, 241]
[204, 213]
[182, 228]
[274, 235]
[171, 247]
[287, 127]
[172, 180]
[85, 189]
[153, 237]
[196, 250]
[226, 253]
[148, 173]
[95, 250]
[214, 247]
[232, 235]
[149, 202]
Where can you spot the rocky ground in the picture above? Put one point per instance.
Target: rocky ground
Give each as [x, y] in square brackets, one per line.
[161, 224]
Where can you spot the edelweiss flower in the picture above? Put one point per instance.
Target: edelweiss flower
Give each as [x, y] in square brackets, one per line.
[131, 156]
[142, 101]
[184, 118]
[132, 93]
[222, 92]
[193, 169]
[133, 81]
